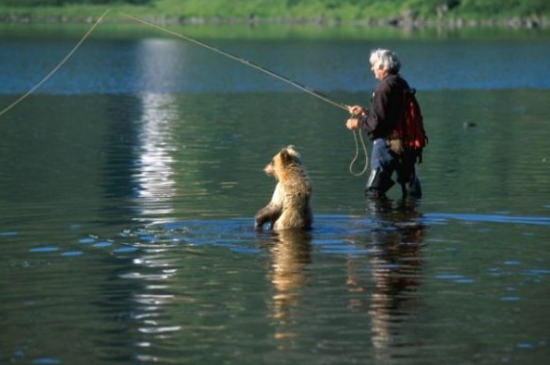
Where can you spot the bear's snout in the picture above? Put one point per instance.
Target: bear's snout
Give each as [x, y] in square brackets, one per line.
[269, 170]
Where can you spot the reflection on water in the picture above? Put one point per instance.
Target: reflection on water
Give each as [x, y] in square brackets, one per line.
[396, 267]
[201, 289]
[290, 253]
[155, 176]
[379, 258]
[156, 272]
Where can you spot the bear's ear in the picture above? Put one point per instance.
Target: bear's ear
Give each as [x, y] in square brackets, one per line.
[289, 155]
[286, 156]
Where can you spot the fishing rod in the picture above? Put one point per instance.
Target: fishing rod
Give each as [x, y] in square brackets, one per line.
[246, 62]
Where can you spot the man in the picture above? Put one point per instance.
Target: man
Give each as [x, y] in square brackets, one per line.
[387, 107]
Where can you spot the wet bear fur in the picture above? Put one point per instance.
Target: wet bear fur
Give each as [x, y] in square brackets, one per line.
[289, 207]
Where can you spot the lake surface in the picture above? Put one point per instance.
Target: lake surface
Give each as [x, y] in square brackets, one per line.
[129, 180]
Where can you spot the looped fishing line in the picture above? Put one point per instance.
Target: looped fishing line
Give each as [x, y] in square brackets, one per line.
[65, 59]
[355, 133]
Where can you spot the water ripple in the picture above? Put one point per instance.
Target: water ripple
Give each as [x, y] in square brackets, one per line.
[492, 218]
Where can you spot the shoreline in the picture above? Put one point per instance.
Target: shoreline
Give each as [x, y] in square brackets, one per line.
[405, 22]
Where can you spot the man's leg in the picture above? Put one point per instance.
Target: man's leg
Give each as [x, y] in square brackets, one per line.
[407, 178]
[382, 162]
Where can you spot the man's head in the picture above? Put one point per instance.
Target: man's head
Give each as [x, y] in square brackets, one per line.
[384, 62]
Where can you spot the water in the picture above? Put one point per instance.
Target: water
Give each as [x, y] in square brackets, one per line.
[128, 183]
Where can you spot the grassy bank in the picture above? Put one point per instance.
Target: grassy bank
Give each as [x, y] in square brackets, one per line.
[405, 13]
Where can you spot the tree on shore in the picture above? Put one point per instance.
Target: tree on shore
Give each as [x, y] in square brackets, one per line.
[349, 10]
[33, 3]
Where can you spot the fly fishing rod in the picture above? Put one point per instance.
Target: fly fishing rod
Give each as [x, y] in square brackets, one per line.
[268, 72]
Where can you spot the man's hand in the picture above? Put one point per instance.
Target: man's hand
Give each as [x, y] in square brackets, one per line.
[355, 110]
[352, 123]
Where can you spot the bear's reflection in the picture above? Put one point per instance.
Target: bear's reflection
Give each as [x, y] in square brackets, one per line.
[290, 252]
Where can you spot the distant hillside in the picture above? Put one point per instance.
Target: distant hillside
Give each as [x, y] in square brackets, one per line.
[530, 13]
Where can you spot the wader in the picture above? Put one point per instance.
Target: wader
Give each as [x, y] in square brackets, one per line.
[384, 162]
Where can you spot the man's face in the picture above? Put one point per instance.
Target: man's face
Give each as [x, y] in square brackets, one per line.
[379, 74]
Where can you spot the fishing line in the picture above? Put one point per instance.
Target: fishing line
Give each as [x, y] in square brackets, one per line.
[273, 74]
[58, 65]
[364, 147]
[243, 61]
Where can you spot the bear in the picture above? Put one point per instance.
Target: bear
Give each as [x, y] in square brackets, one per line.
[289, 207]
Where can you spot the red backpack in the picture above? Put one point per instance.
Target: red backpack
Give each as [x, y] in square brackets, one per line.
[410, 128]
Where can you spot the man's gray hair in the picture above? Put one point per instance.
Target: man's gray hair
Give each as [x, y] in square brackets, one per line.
[386, 60]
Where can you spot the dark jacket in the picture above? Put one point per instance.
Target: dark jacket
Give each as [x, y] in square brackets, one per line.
[387, 106]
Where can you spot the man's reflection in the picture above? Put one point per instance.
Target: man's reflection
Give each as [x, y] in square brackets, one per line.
[395, 242]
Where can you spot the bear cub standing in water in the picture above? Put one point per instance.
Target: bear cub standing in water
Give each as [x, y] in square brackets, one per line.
[289, 207]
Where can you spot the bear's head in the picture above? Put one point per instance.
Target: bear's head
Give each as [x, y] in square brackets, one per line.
[285, 160]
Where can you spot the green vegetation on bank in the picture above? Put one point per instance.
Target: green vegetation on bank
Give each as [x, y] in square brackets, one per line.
[530, 12]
